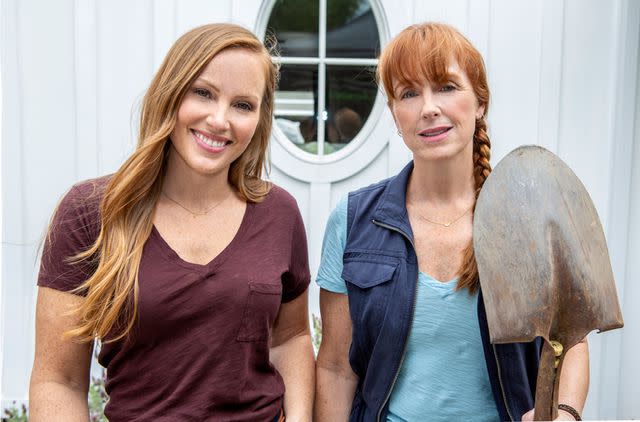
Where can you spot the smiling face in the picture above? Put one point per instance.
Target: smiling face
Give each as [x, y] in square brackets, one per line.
[437, 120]
[219, 113]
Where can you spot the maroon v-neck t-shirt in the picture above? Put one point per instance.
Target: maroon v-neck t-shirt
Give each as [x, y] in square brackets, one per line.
[200, 349]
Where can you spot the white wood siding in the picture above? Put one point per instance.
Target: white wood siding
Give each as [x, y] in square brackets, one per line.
[563, 73]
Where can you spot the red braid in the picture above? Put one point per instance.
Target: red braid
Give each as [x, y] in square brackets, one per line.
[481, 169]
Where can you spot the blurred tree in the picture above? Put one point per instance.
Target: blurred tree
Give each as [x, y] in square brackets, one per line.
[303, 15]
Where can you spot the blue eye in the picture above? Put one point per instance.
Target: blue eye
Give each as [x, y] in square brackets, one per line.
[408, 94]
[201, 92]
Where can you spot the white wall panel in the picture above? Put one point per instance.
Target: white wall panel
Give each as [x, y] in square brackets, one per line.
[299, 190]
[453, 12]
[587, 94]
[373, 173]
[624, 194]
[48, 149]
[399, 14]
[125, 67]
[478, 26]
[245, 12]
[45, 65]
[550, 74]
[319, 208]
[164, 29]
[12, 129]
[515, 31]
[17, 322]
[629, 388]
[199, 12]
[12, 370]
[85, 75]
[47, 93]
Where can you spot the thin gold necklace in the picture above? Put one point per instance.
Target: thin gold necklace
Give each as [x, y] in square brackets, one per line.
[195, 213]
[446, 224]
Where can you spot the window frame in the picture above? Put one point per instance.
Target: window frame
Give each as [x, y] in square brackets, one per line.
[374, 133]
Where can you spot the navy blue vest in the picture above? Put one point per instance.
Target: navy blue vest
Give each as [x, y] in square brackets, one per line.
[381, 271]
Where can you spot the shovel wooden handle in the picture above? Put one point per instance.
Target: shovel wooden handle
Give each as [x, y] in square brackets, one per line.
[547, 383]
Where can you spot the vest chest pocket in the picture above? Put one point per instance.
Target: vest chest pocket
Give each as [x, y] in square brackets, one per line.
[369, 288]
[260, 311]
[365, 275]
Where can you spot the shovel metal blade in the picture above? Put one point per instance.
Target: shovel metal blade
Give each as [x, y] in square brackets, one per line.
[541, 253]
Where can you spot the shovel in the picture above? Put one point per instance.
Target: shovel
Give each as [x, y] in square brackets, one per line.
[543, 262]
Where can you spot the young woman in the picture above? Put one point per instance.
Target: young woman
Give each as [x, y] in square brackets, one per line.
[405, 334]
[189, 268]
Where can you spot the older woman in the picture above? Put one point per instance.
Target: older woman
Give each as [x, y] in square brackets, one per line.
[405, 335]
[165, 260]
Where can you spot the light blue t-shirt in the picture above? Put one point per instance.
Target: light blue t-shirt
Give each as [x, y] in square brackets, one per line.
[443, 376]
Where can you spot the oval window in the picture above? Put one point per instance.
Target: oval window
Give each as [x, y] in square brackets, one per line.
[327, 88]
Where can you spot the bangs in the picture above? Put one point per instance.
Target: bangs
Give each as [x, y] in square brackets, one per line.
[424, 53]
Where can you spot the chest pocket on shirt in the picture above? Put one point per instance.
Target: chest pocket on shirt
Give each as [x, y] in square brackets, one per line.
[369, 289]
[260, 311]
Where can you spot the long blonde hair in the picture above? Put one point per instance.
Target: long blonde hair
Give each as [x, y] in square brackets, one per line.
[109, 311]
[423, 52]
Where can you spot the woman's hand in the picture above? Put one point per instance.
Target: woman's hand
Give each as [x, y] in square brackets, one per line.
[574, 382]
[292, 355]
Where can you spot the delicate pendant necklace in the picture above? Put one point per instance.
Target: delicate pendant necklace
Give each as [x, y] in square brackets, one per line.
[195, 213]
[446, 224]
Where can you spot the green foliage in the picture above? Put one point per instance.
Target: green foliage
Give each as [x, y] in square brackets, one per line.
[97, 398]
[316, 336]
[15, 413]
[303, 15]
[294, 15]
